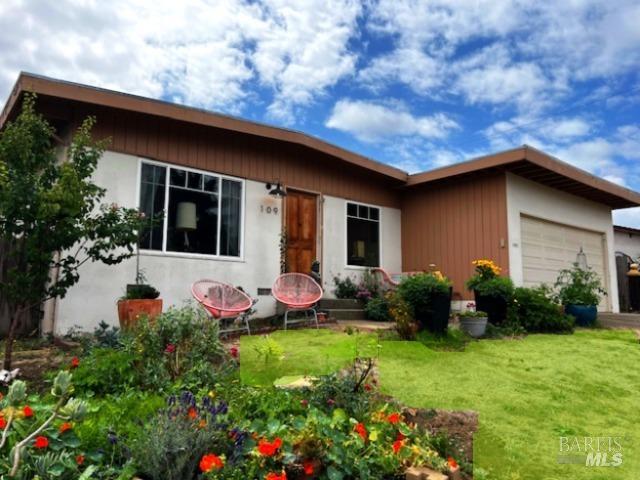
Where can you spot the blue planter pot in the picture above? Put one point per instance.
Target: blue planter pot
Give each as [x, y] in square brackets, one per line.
[585, 315]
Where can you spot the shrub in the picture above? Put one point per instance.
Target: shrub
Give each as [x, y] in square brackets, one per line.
[377, 309]
[577, 286]
[418, 290]
[344, 288]
[174, 441]
[534, 310]
[400, 312]
[182, 344]
[106, 371]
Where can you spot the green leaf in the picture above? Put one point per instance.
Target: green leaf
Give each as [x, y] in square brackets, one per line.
[334, 474]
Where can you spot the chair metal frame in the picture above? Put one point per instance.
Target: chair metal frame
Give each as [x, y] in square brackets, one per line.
[300, 306]
[226, 315]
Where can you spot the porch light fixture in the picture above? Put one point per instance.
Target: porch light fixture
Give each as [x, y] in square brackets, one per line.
[581, 260]
[276, 190]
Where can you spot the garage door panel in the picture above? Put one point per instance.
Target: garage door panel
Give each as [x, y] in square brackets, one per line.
[549, 247]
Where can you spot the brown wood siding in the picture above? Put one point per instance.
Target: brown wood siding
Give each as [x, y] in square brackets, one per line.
[452, 223]
[232, 153]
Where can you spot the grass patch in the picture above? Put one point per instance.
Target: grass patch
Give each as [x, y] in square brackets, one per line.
[453, 340]
[528, 392]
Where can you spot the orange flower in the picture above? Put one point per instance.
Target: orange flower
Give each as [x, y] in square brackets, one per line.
[65, 426]
[202, 424]
[3, 423]
[276, 476]
[452, 463]
[80, 459]
[394, 418]
[361, 430]
[397, 445]
[75, 362]
[27, 411]
[269, 449]
[210, 462]
[192, 414]
[307, 465]
[41, 442]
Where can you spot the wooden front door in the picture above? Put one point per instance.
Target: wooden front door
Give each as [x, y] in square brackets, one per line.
[301, 231]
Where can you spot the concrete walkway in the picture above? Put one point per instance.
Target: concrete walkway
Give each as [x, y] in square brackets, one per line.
[364, 325]
[620, 320]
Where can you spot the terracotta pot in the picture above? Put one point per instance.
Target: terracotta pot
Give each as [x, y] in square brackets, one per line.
[130, 311]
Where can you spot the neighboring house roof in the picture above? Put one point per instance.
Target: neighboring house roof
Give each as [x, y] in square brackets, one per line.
[621, 229]
[524, 161]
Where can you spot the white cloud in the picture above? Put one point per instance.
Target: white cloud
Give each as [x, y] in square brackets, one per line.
[196, 52]
[371, 122]
[532, 52]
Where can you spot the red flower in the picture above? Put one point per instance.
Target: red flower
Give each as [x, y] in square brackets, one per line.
[75, 362]
[452, 463]
[331, 402]
[367, 387]
[269, 449]
[393, 418]
[276, 476]
[234, 352]
[307, 465]
[304, 402]
[170, 348]
[41, 442]
[27, 411]
[361, 430]
[65, 426]
[397, 445]
[80, 459]
[3, 423]
[192, 413]
[210, 462]
[400, 436]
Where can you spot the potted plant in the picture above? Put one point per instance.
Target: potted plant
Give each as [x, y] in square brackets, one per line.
[140, 299]
[492, 292]
[472, 321]
[579, 291]
[429, 296]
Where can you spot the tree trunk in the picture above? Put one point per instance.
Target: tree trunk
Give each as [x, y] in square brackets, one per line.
[14, 322]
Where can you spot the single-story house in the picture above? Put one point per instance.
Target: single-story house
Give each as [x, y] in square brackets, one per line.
[627, 241]
[212, 174]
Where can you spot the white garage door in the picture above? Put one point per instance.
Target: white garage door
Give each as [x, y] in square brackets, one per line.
[549, 247]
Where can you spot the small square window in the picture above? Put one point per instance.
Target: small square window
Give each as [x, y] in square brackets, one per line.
[374, 214]
[194, 180]
[178, 178]
[210, 184]
[352, 209]
[363, 212]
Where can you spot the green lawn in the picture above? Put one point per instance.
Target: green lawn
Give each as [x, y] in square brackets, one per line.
[528, 392]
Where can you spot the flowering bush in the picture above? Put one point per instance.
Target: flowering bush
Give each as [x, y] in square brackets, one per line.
[40, 441]
[486, 280]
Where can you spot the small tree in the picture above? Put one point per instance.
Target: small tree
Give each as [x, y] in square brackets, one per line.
[51, 217]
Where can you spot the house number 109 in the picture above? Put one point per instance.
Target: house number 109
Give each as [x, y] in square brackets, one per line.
[269, 209]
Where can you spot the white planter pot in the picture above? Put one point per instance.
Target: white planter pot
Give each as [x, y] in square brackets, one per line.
[474, 326]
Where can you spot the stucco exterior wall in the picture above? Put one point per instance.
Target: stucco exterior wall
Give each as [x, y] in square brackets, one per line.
[334, 242]
[94, 298]
[628, 243]
[536, 200]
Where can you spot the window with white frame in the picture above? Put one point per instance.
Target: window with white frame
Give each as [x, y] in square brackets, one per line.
[363, 235]
[203, 211]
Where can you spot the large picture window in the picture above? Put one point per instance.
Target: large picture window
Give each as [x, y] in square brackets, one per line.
[363, 235]
[203, 211]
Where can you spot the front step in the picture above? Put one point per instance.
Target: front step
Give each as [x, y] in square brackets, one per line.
[339, 304]
[620, 320]
[345, 313]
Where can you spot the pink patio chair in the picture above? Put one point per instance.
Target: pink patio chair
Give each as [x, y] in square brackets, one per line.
[390, 281]
[297, 292]
[225, 303]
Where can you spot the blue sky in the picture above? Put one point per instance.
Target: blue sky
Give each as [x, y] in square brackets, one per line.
[416, 84]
